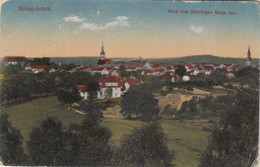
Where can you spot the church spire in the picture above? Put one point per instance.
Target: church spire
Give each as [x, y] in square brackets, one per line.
[249, 59]
[249, 54]
[102, 53]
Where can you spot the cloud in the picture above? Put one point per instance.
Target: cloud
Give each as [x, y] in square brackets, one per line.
[120, 21]
[198, 29]
[73, 19]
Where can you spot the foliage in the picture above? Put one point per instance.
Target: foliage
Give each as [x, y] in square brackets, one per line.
[41, 61]
[208, 107]
[67, 86]
[168, 112]
[145, 146]
[108, 93]
[68, 95]
[67, 67]
[11, 150]
[92, 140]
[51, 144]
[180, 70]
[235, 142]
[209, 80]
[248, 75]
[140, 102]
[16, 83]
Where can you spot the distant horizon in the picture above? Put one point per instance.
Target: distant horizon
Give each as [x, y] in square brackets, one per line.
[132, 57]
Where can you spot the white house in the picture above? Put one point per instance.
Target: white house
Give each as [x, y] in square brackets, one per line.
[185, 78]
[101, 70]
[115, 84]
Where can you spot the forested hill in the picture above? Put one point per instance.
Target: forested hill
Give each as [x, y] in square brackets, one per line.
[203, 59]
[188, 59]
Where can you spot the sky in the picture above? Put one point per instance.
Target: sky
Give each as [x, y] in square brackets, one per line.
[129, 29]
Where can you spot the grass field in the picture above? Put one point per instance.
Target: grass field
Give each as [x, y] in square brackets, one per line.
[186, 139]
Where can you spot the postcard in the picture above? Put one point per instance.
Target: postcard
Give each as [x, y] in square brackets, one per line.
[129, 83]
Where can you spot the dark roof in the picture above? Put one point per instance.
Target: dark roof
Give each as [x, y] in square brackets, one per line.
[104, 61]
[18, 59]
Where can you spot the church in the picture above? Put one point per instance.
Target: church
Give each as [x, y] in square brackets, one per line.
[249, 59]
[102, 59]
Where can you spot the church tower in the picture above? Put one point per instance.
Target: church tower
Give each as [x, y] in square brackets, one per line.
[249, 59]
[102, 53]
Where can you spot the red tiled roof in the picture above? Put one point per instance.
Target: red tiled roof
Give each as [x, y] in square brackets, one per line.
[200, 68]
[211, 68]
[235, 66]
[156, 65]
[37, 66]
[84, 68]
[132, 81]
[227, 65]
[168, 67]
[159, 70]
[14, 59]
[104, 79]
[169, 77]
[216, 65]
[174, 66]
[188, 65]
[81, 88]
[104, 61]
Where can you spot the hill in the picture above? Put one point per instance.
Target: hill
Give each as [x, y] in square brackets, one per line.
[92, 61]
[203, 59]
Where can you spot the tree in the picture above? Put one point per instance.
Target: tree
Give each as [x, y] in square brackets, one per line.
[51, 144]
[108, 93]
[180, 71]
[145, 146]
[248, 75]
[11, 150]
[92, 140]
[235, 141]
[140, 102]
[68, 95]
[41, 61]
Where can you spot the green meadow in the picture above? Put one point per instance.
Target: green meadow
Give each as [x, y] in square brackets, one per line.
[187, 140]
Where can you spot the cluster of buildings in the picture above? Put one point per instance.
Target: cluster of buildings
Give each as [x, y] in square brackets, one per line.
[111, 83]
[110, 87]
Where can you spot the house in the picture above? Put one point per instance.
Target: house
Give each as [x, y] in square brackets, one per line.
[36, 68]
[169, 69]
[82, 91]
[112, 83]
[171, 78]
[174, 66]
[51, 70]
[14, 60]
[208, 69]
[158, 66]
[147, 72]
[185, 78]
[115, 73]
[138, 65]
[130, 68]
[233, 67]
[229, 75]
[101, 70]
[158, 72]
[130, 81]
[188, 67]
